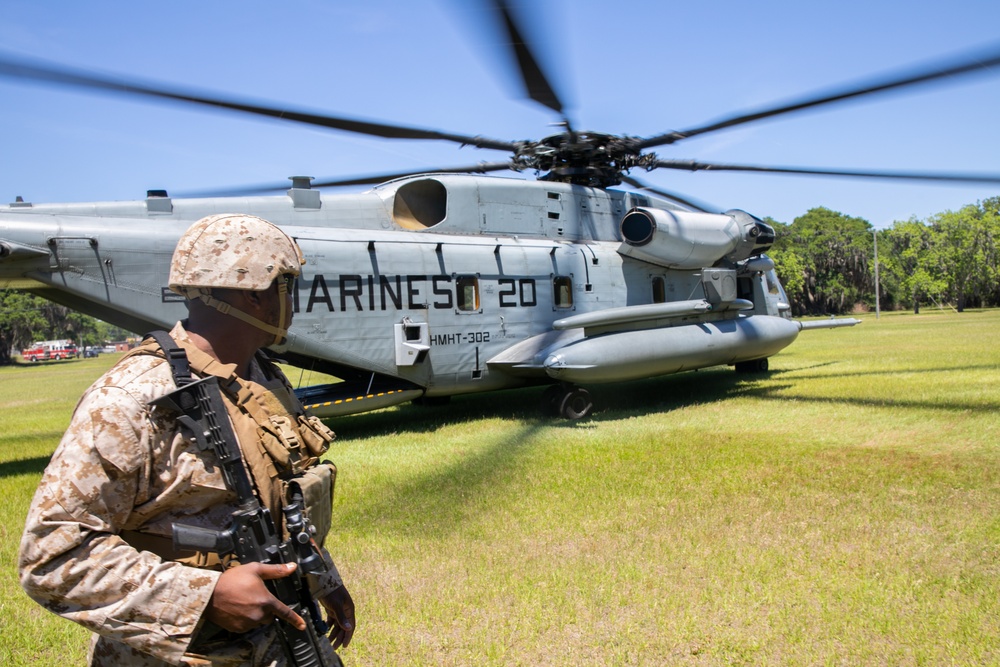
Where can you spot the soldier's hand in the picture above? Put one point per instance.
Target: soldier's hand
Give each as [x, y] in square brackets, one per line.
[341, 607]
[242, 602]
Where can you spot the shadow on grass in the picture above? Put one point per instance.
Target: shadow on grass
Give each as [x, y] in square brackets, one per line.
[611, 401]
[11, 445]
[20, 363]
[442, 501]
[439, 503]
[32, 466]
[773, 393]
[636, 398]
[800, 375]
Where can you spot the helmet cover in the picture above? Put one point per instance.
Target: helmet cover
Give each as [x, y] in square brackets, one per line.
[232, 251]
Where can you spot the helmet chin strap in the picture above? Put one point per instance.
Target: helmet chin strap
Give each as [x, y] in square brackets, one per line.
[279, 334]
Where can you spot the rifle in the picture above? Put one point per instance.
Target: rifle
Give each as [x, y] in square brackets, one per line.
[251, 536]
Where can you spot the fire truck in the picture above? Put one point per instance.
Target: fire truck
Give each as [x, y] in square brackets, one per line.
[45, 350]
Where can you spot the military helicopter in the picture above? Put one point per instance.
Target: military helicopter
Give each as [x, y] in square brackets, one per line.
[451, 281]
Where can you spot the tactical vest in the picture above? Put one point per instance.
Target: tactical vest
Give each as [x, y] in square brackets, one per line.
[280, 443]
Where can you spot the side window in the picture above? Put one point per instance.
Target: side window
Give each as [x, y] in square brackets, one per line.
[659, 289]
[562, 291]
[467, 292]
[773, 286]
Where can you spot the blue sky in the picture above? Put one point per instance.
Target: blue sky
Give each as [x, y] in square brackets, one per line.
[638, 67]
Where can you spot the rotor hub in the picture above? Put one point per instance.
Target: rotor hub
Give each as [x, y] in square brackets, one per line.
[581, 158]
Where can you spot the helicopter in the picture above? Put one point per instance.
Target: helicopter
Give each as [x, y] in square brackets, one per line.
[455, 280]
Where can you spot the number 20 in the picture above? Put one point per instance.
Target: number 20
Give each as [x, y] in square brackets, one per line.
[517, 293]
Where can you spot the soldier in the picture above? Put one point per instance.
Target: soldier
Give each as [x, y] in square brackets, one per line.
[97, 545]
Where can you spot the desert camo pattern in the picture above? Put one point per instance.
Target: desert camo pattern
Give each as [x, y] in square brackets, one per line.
[122, 466]
[233, 251]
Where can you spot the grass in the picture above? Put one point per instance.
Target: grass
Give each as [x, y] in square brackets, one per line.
[841, 509]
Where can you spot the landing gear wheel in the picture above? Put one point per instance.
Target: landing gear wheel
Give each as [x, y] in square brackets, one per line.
[576, 403]
[755, 366]
[566, 401]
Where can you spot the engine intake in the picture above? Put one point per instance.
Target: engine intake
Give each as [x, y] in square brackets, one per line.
[692, 240]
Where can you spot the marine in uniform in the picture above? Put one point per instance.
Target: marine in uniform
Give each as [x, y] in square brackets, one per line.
[97, 545]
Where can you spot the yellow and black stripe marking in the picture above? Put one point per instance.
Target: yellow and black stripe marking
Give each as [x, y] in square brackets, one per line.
[353, 404]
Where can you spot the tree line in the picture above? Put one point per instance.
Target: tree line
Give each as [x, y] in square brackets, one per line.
[825, 261]
[25, 318]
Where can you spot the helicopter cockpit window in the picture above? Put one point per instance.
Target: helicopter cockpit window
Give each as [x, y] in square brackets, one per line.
[773, 286]
[467, 292]
[562, 291]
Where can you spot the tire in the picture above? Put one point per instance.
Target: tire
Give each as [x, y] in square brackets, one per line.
[576, 404]
[755, 366]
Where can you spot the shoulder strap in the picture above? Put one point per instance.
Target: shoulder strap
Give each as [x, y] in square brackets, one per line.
[176, 356]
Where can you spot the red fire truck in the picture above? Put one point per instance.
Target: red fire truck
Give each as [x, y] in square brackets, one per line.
[44, 350]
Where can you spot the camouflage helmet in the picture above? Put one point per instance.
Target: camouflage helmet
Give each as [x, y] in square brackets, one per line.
[232, 251]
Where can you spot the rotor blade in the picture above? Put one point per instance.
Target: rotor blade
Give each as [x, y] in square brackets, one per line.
[481, 168]
[967, 64]
[534, 78]
[692, 165]
[636, 183]
[45, 72]
[375, 179]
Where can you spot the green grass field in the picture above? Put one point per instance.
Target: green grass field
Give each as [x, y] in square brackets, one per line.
[843, 509]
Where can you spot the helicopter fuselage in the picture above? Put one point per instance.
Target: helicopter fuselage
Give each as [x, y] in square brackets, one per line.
[434, 286]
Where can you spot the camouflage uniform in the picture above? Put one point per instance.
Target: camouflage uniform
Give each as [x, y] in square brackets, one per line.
[124, 472]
